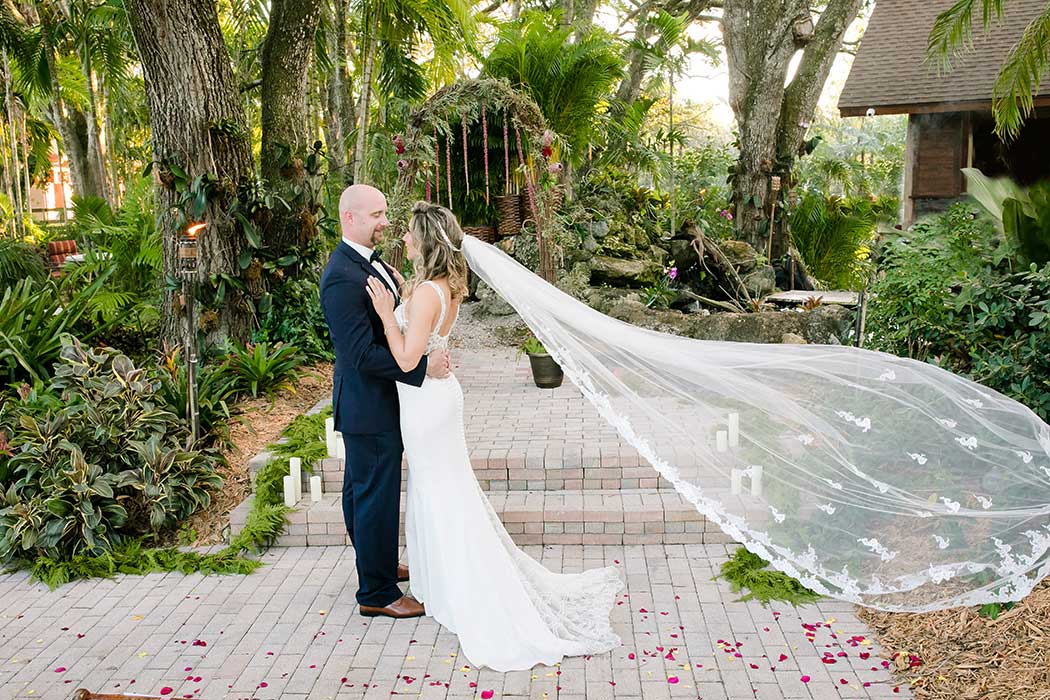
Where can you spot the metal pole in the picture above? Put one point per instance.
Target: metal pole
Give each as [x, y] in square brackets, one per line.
[191, 357]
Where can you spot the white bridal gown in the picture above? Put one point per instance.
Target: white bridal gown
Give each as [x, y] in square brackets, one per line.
[509, 612]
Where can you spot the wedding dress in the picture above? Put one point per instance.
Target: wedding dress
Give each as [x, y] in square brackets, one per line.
[872, 478]
[509, 612]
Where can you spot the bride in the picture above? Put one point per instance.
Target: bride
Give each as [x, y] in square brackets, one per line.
[509, 612]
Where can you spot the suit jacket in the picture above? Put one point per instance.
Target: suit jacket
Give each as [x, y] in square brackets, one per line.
[364, 398]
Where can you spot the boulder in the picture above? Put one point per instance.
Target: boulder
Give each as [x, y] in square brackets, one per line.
[741, 255]
[622, 273]
[760, 282]
[793, 339]
[824, 325]
[490, 303]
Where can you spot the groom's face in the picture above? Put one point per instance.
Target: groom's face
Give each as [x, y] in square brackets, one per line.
[367, 219]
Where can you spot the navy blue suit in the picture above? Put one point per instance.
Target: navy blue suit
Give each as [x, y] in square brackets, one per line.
[366, 411]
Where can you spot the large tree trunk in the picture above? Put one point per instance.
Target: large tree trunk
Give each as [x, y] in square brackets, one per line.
[760, 41]
[286, 55]
[96, 158]
[338, 98]
[198, 124]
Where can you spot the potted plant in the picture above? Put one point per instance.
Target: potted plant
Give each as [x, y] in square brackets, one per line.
[545, 371]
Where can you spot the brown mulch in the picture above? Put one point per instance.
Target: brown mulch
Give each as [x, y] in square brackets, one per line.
[965, 656]
[256, 423]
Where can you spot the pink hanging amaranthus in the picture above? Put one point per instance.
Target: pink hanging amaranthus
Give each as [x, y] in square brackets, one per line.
[466, 169]
[437, 166]
[506, 156]
[485, 149]
[448, 167]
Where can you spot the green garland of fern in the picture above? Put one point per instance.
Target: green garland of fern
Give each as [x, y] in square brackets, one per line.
[747, 570]
[265, 522]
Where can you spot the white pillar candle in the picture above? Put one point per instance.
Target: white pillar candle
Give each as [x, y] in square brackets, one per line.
[289, 492]
[736, 484]
[315, 489]
[295, 470]
[721, 441]
[330, 437]
[734, 429]
[756, 480]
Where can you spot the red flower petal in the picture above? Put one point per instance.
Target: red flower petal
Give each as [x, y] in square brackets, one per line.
[60, 669]
[166, 691]
[631, 656]
[783, 657]
[486, 694]
[804, 679]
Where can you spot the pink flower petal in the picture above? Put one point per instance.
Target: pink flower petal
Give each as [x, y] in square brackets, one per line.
[672, 679]
[804, 679]
[60, 669]
[486, 694]
[166, 691]
[783, 657]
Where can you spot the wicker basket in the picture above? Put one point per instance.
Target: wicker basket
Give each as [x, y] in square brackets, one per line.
[508, 211]
[484, 233]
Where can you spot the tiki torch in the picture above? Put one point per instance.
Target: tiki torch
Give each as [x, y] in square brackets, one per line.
[188, 272]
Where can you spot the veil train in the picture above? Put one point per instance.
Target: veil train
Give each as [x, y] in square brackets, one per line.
[871, 478]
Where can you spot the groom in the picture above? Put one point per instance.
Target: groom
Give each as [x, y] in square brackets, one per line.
[364, 401]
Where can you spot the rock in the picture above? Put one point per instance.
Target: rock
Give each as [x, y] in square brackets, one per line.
[490, 303]
[590, 243]
[622, 273]
[761, 282]
[742, 256]
[822, 326]
[793, 339]
[683, 253]
[598, 229]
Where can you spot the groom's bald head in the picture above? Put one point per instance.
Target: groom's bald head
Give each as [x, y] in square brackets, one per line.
[362, 214]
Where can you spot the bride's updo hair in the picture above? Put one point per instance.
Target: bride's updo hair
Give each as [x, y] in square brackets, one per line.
[439, 240]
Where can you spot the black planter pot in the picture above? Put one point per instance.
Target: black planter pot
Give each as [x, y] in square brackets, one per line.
[545, 371]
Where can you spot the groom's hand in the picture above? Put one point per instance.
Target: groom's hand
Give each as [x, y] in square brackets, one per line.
[439, 364]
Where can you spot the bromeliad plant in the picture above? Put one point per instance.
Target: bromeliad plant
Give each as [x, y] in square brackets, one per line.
[93, 459]
[263, 367]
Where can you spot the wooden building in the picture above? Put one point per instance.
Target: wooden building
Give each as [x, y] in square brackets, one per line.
[950, 124]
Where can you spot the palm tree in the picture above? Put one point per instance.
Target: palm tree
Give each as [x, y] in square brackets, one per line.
[390, 34]
[570, 78]
[1019, 77]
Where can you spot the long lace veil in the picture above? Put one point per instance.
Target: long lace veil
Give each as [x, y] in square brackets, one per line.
[871, 478]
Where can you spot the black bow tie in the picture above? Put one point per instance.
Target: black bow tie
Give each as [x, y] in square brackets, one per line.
[375, 256]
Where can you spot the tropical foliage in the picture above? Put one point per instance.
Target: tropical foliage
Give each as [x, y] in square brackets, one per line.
[951, 294]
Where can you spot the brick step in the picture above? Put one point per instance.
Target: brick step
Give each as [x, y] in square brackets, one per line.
[641, 516]
[532, 473]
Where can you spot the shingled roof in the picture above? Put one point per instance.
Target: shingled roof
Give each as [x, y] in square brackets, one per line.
[889, 73]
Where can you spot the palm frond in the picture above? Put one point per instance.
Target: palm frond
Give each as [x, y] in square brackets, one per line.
[1020, 77]
[952, 32]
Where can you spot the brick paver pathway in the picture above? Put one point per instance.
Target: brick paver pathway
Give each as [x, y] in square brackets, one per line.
[292, 631]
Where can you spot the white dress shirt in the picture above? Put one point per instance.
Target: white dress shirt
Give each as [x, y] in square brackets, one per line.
[366, 253]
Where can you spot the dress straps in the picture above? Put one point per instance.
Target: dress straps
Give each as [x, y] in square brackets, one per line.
[441, 298]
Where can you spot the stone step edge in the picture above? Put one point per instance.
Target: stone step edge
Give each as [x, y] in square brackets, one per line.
[536, 523]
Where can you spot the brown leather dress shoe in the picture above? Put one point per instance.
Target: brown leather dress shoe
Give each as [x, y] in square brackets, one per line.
[405, 606]
[402, 573]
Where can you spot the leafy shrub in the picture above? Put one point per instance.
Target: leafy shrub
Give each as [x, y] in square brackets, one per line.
[948, 295]
[263, 367]
[1023, 215]
[294, 316]
[833, 236]
[215, 390]
[94, 461]
[33, 317]
[19, 261]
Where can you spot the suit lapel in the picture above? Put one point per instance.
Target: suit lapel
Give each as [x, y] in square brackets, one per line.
[369, 269]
